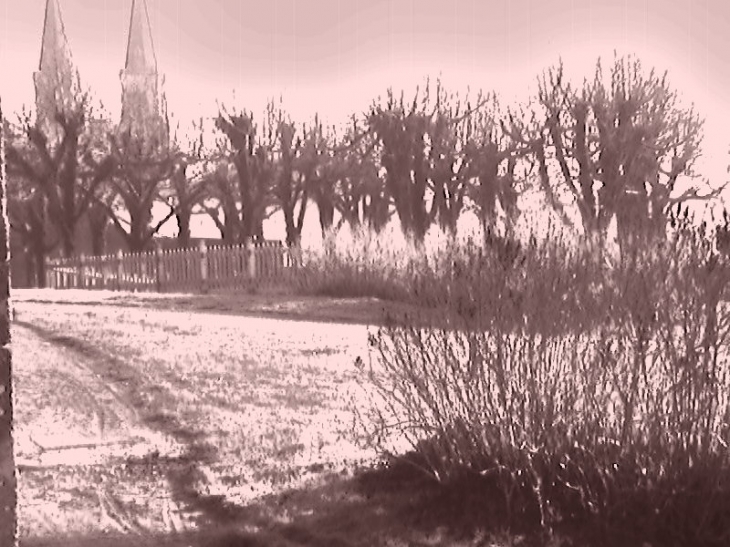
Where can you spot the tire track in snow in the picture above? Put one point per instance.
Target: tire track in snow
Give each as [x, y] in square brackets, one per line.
[186, 464]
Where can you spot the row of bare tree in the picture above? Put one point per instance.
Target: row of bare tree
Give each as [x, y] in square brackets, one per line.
[615, 146]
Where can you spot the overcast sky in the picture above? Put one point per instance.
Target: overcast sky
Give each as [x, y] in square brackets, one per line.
[335, 56]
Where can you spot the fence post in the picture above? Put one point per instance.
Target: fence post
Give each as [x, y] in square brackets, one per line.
[102, 270]
[58, 271]
[62, 273]
[203, 267]
[280, 258]
[251, 256]
[159, 271]
[120, 270]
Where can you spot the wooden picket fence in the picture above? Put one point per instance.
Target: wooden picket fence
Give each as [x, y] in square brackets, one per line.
[179, 270]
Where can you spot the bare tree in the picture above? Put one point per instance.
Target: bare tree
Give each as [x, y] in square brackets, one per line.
[422, 150]
[222, 198]
[451, 132]
[244, 192]
[295, 169]
[618, 148]
[491, 159]
[140, 168]
[28, 219]
[184, 191]
[69, 171]
[324, 178]
[361, 193]
[402, 131]
[8, 485]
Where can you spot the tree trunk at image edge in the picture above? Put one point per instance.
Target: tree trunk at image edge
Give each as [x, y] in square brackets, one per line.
[8, 499]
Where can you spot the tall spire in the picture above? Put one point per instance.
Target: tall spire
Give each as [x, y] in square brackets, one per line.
[141, 108]
[140, 51]
[56, 81]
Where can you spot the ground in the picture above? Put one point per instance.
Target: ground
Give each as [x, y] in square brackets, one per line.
[217, 420]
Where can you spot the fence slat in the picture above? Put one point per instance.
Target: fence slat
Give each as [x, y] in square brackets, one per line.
[197, 269]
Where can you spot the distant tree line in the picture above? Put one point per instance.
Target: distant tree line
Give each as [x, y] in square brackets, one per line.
[615, 147]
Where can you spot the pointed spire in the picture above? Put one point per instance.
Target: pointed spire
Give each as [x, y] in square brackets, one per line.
[55, 52]
[142, 100]
[140, 50]
[56, 81]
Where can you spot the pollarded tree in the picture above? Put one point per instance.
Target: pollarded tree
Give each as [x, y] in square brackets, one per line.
[402, 130]
[140, 168]
[246, 191]
[185, 190]
[451, 167]
[491, 159]
[360, 192]
[619, 146]
[28, 217]
[68, 170]
[296, 167]
[326, 173]
[421, 151]
[222, 197]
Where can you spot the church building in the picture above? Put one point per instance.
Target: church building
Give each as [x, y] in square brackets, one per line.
[57, 80]
[58, 90]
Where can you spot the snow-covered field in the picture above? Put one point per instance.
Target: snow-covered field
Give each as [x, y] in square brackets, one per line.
[128, 418]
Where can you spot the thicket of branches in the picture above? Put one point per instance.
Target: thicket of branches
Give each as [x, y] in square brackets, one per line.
[616, 145]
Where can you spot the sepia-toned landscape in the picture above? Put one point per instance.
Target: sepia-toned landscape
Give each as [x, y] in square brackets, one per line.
[432, 275]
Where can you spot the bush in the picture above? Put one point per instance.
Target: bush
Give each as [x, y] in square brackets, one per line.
[356, 264]
[595, 394]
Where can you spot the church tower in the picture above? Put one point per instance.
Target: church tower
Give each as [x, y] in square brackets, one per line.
[143, 103]
[57, 87]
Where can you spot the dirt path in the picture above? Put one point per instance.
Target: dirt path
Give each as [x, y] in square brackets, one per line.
[75, 435]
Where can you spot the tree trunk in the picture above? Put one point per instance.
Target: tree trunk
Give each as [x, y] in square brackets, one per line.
[230, 223]
[139, 229]
[258, 229]
[292, 237]
[326, 215]
[98, 220]
[29, 268]
[8, 493]
[136, 242]
[98, 239]
[68, 244]
[39, 258]
[183, 229]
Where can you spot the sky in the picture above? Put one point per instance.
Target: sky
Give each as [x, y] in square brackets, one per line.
[334, 57]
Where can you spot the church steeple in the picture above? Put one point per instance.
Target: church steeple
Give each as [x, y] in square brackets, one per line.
[141, 97]
[140, 51]
[56, 81]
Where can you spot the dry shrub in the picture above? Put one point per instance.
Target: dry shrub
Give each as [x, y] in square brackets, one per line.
[360, 263]
[354, 263]
[589, 393]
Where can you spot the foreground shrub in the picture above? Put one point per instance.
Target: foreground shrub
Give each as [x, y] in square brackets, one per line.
[604, 403]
